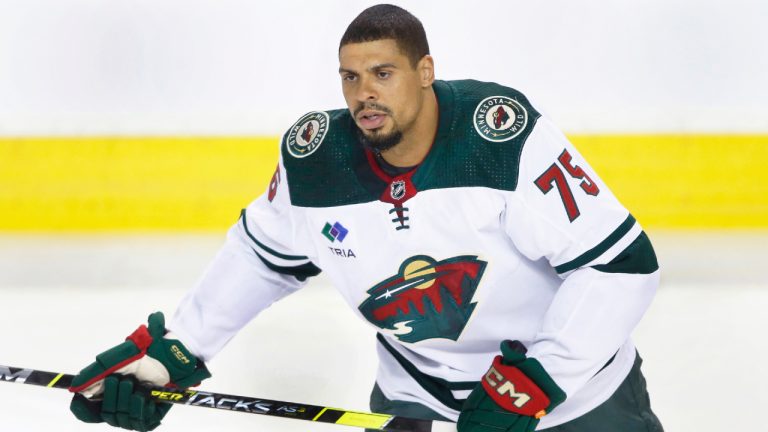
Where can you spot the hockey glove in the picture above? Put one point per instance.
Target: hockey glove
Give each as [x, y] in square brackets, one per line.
[109, 390]
[512, 396]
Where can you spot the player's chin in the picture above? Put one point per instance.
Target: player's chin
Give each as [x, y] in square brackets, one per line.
[373, 133]
[386, 129]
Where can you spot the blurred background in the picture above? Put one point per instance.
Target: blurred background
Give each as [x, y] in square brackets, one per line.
[132, 133]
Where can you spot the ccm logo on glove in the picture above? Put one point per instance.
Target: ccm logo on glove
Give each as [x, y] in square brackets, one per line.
[512, 390]
[179, 354]
[497, 381]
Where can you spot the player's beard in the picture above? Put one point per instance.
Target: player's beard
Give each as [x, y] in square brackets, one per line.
[376, 140]
[379, 141]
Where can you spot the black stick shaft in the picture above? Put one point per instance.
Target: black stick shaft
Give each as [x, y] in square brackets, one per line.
[292, 410]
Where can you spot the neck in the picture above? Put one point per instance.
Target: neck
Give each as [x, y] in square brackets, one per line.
[418, 139]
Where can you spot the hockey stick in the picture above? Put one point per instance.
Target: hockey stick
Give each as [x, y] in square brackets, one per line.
[291, 410]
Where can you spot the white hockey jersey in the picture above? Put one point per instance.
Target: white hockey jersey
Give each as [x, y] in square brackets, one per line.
[502, 232]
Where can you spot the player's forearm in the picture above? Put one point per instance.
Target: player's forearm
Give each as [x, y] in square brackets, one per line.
[235, 287]
[593, 315]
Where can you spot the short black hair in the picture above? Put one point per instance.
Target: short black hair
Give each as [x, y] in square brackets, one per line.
[387, 21]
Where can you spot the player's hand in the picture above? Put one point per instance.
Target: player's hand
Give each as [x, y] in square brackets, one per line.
[512, 396]
[110, 389]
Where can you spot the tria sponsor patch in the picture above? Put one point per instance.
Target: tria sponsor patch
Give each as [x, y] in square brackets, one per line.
[344, 253]
[335, 232]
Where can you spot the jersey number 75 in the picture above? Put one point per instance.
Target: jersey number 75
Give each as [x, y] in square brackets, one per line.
[554, 177]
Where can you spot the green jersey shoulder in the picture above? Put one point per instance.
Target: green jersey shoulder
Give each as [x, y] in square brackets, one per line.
[481, 131]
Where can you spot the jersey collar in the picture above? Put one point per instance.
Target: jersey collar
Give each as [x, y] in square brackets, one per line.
[396, 190]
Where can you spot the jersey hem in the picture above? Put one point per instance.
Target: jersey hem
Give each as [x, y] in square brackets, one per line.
[607, 381]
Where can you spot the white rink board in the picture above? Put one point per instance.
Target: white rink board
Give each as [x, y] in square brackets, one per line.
[703, 343]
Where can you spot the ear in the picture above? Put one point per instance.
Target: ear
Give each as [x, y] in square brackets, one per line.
[426, 69]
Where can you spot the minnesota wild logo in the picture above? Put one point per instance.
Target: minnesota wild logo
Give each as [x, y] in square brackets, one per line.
[426, 299]
[500, 118]
[306, 135]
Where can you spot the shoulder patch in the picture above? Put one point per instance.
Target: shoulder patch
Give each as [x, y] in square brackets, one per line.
[499, 118]
[306, 135]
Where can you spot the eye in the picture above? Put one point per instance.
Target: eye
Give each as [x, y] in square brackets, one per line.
[383, 74]
[348, 77]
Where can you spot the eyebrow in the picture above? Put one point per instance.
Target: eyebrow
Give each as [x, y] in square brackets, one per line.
[372, 68]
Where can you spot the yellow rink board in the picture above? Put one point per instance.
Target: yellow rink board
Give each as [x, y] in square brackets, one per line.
[201, 183]
[685, 181]
[130, 183]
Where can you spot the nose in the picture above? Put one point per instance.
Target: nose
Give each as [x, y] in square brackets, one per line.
[366, 91]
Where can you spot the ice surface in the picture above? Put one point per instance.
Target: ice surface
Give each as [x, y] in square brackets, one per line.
[67, 298]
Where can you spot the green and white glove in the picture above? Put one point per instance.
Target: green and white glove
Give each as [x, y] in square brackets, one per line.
[110, 389]
[512, 396]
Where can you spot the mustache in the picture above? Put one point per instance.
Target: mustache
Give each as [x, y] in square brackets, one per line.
[372, 106]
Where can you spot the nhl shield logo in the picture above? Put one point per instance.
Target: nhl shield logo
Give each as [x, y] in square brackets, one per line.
[500, 118]
[426, 299]
[397, 190]
[306, 135]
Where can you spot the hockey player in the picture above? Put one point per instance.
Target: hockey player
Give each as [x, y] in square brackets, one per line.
[503, 276]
